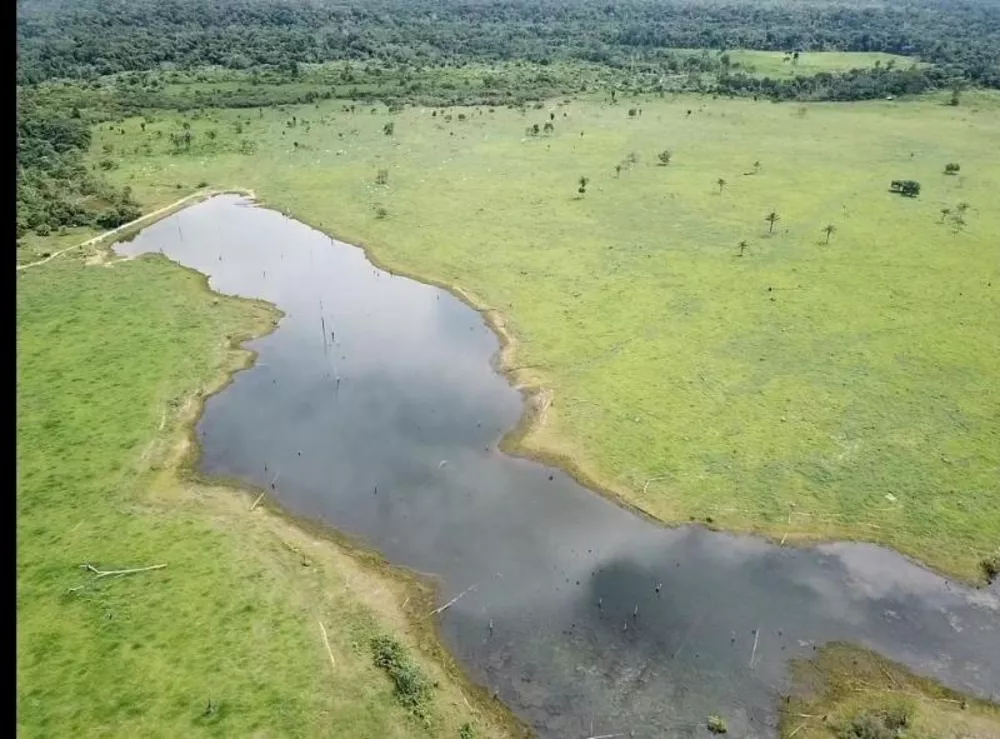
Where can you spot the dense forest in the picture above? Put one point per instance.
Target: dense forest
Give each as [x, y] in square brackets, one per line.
[54, 187]
[121, 57]
[81, 38]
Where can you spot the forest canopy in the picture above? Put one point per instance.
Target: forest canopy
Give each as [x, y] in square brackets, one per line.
[87, 38]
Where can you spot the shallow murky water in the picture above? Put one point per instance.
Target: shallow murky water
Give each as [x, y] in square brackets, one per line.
[374, 407]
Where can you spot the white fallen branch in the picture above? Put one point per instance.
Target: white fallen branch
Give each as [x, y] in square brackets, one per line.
[110, 573]
[652, 479]
[453, 601]
[259, 498]
[326, 643]
[753, 654]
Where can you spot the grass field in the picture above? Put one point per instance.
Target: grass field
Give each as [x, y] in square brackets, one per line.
[806, 389]
[845, 691]
[777, 65]
[226, 640]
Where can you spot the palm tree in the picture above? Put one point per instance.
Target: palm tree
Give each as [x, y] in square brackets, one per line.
[772, 218]
[743, 247]
[721, 183]
[829, 230]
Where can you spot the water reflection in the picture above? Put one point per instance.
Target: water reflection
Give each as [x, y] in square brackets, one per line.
[376, 407]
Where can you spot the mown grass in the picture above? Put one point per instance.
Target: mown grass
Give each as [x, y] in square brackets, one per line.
[226, 640]
[841, 390]
[850, 693]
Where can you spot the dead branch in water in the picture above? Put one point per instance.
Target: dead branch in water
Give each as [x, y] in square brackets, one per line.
[453, 601]
[109, 573]
[259, 497]
[753, 654]
[326, 643]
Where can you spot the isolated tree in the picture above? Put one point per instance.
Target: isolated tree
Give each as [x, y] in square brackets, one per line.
[771, 219]
[552, 116]
[389, 128]
[952, 168]
[721, 183]
[631, 112]
[664, 157]
[743, 247]
[534, 129]
[583, 185]
[829, 230]
[548, 127]
[944, 213]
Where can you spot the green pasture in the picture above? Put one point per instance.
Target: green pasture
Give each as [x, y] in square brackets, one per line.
[804, 389]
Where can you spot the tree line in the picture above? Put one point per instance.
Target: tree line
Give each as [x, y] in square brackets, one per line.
[54, 187]
[86, 38]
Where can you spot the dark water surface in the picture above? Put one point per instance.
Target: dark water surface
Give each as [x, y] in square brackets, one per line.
[402, 452]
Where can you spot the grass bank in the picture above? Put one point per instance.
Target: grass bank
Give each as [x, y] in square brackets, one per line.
[814, 387]
[851, 693]
[254, 626]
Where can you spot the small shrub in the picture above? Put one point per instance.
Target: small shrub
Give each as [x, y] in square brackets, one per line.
[717, 725]
[381, 212]
[411, 687]
[990, 567]
[466, 732]
[382, 177]
[202, 184]
[664, 157]
[952, 168]
[877, 724]
[119, 216]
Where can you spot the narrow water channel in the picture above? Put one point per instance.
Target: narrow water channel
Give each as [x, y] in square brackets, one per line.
[375, 408]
